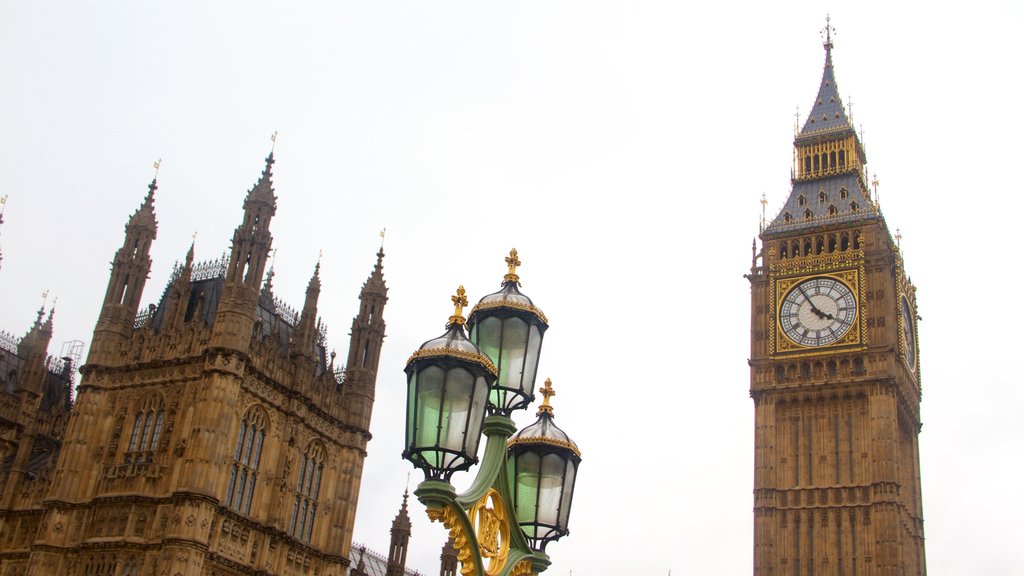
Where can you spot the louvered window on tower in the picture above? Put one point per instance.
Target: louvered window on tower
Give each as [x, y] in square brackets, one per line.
[307, 492]
[245, 468]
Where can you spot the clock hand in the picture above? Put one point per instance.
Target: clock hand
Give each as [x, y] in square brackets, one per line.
[814, 308]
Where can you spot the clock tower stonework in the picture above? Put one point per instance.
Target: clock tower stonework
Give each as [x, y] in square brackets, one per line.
[834, 370]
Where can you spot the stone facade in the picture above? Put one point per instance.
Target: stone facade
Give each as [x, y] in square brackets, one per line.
[212, 433]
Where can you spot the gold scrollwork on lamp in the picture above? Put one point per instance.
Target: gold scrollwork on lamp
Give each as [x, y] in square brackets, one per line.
[523, 568]
[457, 533]
[491, 524]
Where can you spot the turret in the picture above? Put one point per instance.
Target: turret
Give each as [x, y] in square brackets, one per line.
[401, 530]
[368, 326]
[29, 390]
[306, 332]
[250, 247]
[179, 292]
[32, 349]
[367, 336]
[449, 559]
[128, 274]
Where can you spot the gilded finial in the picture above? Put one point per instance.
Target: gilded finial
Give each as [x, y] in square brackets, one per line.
[3, 203]
[273, 141]
[513, 261]
[547, 391]
[156, 167]
[382, 232]
[899, 237]
[460, 300]
[874, 186]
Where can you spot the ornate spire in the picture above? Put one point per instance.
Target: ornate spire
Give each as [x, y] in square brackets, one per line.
[145, 216]
[401, 530]
[828, 181]
[828, 112]
[263, 190]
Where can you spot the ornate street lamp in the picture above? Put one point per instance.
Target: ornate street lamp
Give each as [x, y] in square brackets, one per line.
[499, 529]
[509, 328]
[448, 386]
[542, 466]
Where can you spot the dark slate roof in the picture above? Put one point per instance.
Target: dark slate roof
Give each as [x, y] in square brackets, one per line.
[845, 211]
[828, 113]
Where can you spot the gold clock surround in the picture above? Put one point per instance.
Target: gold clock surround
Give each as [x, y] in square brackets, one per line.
[782, 286]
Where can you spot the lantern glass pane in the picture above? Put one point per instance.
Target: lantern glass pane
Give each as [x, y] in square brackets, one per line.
[550, 489]
[455, 421]
[513, 352]
[479, 391]
[429, 403]
[532, 359]
[527, 471]
[566, 504]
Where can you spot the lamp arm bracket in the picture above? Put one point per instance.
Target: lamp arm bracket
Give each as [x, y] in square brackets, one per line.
[498, 430]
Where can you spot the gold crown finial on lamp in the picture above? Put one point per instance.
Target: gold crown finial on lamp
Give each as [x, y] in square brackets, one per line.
[460, 300]
[513, 261]
[547, 391]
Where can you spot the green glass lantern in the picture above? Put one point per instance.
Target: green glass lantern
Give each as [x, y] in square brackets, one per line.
[448, 383]
[509, 329]
[542, 467]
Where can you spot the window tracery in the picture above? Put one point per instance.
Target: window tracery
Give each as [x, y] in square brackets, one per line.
[245, 468]
[307, 492]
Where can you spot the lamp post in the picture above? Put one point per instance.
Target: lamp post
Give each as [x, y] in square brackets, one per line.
[460, 387]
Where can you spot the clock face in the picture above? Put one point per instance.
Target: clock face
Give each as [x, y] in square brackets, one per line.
[909, 342]
[818, 311]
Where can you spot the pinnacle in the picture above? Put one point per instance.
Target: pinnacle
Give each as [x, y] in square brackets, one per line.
[263, 190]
[146, 214]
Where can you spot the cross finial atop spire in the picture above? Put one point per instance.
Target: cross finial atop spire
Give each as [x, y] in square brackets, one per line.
[513, 261]
[460, 300]
[547, 391]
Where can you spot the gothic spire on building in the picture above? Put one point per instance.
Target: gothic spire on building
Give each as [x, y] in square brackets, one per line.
[368, 326]
[306, 331]
[401, 530]
[829, 184]
[128, 274]
[251, 242]
[449, 559]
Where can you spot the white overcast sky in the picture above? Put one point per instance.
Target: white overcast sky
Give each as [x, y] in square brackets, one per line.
[622, 147]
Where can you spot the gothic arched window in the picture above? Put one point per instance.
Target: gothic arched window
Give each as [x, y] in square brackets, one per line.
[245, 468]
[146, 429]
[307, 492]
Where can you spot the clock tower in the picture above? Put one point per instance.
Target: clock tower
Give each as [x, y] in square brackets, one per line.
[834, 369]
